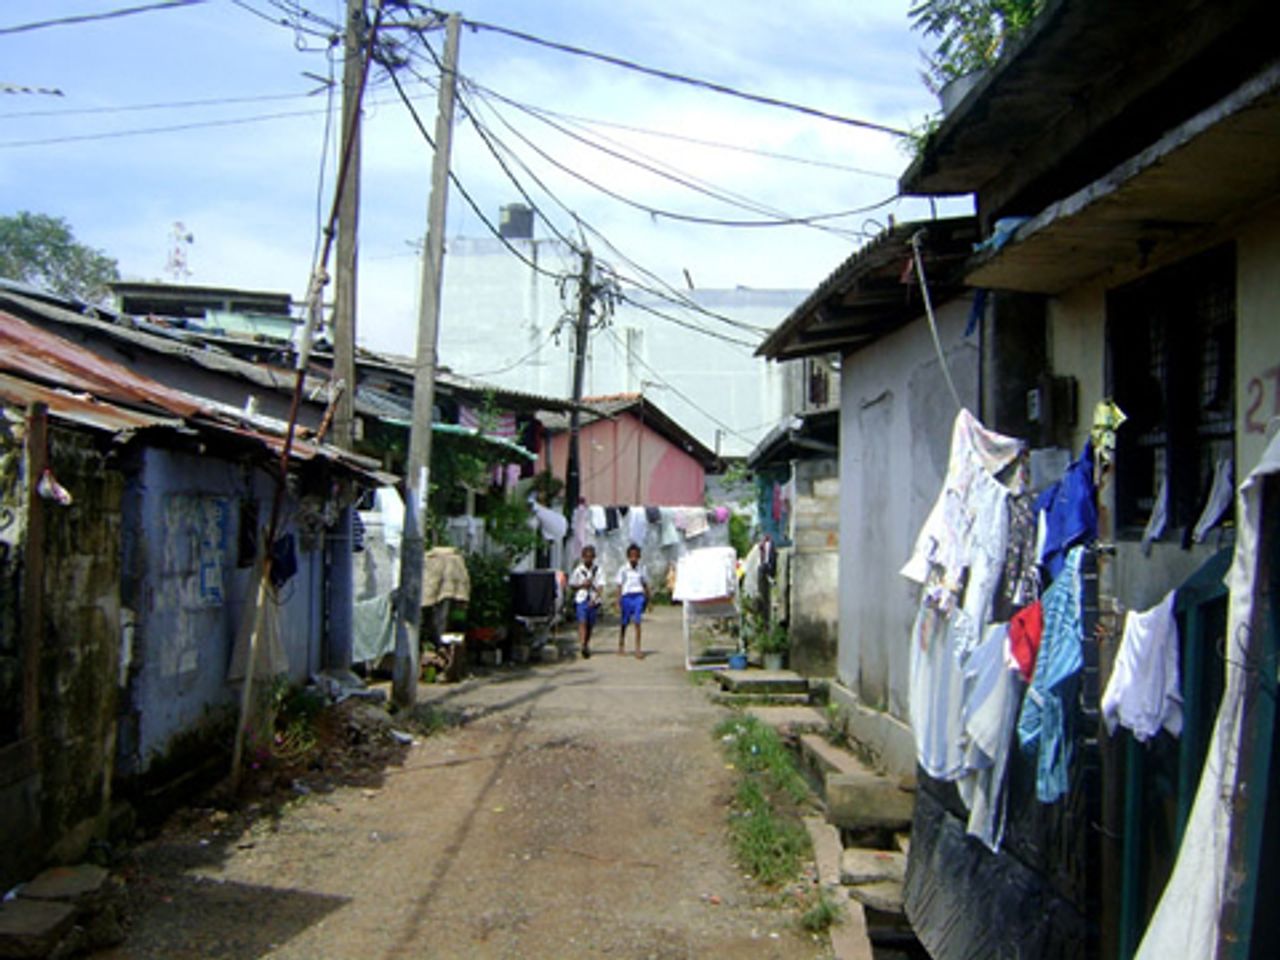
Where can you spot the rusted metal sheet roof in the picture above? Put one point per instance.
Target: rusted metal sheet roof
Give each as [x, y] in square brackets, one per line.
[78, 408]
[30, 351]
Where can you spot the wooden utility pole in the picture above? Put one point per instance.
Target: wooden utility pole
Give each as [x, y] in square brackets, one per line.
[573, 466]
[404, 683]
[344, 289]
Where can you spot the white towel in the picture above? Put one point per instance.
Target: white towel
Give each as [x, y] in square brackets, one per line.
[1144, 692]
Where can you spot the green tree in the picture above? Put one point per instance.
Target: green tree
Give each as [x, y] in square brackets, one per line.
[969, 34]
[41, 250]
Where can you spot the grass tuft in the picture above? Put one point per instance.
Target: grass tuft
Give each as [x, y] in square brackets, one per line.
[823, 915]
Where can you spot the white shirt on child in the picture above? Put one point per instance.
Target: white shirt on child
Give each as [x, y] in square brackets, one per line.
[588, 584]
[633, 579]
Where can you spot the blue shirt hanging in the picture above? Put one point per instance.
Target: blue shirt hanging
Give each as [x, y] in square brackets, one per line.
[1070, 511]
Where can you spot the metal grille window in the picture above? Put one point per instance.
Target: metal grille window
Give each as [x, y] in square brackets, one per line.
[1171, 368]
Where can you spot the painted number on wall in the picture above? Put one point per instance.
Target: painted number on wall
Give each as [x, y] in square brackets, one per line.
[1259, 410]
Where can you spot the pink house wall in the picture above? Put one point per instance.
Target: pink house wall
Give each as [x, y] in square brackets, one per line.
[623, 463]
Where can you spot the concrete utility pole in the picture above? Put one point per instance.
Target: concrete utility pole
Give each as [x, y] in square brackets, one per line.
[344, 288]
[573, 467]
[404, 681]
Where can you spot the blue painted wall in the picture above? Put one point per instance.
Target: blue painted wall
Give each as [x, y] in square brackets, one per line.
[187, 592]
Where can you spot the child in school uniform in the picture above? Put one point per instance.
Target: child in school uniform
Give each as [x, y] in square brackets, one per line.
[587, 582]
[633, 596]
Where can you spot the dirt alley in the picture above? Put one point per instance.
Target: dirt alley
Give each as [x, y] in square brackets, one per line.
[579, 812]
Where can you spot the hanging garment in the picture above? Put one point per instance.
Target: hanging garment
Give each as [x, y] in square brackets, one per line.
[1144, 693]
[653, 514]
[936, 695]
[1025, 630]
[696, 523]
[1043, 725]
[944, 540]
[988, 718]
[1159, 518]
[1186, 920]
[986, 513]
[776, 503]
[444, 577]
[581, 526]
[638, 525]
[1219, 500]
[599, 519]
[721, 514]
[610, 519]
[551, 523]
[1021, 570]
[1069, 511]
[670, 534]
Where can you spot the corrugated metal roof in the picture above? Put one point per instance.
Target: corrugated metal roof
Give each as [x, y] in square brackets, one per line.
[34, 352]
[80, 409]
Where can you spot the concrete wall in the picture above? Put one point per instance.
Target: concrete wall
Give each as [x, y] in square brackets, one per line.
[497, 321]
[624, 463]
[186, 590]
[896, 414]
[1077, 347]
[815, 564]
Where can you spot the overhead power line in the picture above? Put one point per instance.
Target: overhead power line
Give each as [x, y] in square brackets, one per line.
[88, 17]
[681, 78]
[171, 105]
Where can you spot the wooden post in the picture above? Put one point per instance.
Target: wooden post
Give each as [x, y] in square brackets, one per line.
[404, 683]
[573, 465]
[33, 569]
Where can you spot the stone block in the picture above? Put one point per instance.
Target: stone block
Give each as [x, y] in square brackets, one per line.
[67, 884]
[858, 866]
[885, 896]
[827, 487]
[863, 801]
[33, 928]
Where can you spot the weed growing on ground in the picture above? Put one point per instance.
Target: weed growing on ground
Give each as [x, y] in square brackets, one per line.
[428, 718]
[769, 840]
[822, 915]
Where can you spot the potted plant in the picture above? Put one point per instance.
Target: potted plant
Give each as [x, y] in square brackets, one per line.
[772, 643]
[490, 605]
[970, 35]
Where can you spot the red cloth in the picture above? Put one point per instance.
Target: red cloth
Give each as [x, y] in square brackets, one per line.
[1024, 638]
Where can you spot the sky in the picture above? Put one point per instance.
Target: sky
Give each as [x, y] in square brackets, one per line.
[244, 177]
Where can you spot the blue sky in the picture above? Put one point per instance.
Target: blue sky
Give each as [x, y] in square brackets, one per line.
[247, 191]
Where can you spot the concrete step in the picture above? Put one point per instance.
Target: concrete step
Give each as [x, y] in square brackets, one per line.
[859, 865]
[33, 928]
[762, 681]
[790, 720]
[884, 896]
[861, 801]
[762, 700]
[824, 757]
[849, 939]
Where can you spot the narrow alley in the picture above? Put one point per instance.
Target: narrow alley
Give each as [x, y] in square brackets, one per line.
[578, 811]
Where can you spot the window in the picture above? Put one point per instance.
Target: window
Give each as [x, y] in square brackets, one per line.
[1171, 368]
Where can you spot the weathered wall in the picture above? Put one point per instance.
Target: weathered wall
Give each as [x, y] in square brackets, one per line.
[896, 414]
[815, 564]
[186, 589]
[79, 659]
[615, 452]
[1257, 336]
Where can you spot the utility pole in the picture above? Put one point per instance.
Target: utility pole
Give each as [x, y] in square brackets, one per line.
[344, 289]
[341, 584]
[573, 467]
[404, 682]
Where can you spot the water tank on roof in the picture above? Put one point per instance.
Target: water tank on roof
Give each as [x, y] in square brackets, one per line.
[515, 222]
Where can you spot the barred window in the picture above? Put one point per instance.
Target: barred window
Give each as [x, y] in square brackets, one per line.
[1171, 368]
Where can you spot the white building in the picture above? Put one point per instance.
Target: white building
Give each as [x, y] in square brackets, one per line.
[499, 324]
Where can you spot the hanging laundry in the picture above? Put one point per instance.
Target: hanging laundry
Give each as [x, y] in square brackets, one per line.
[599, 519]
[653, 514]
[1025, 630]
[1068, 512]
[610, 519]
[670, 534]
[776, 503]
[1159, 517]
[1219, 499]
[721, 514]
[1021, 569]
[581, 524]
[1144, 693]
[1044, 723]
[959, 556]
[696, 523]
[936, 696]
[988, 718]
[639, 525]
[1107, 419]
[550, 523]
